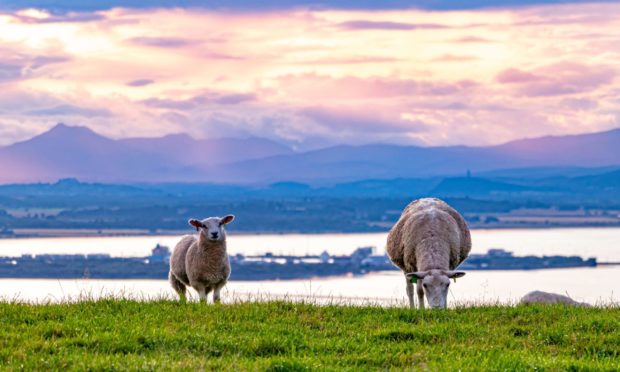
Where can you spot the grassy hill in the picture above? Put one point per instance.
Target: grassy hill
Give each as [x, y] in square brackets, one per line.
[282, 336]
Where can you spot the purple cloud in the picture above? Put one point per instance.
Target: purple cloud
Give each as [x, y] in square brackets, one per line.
[140, 83]
[19, 65]
[61, 18]
[10, 71]
[66, 109]
[234, 99]
[201, 100]
[386, 25]
[558, 79]
[581, 104]
[162, 42]
[362, 122]
[513, 75]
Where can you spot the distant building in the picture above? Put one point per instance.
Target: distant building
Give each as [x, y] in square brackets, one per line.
[324, 257]
[160, 253]
[498, 252]
[361, 253]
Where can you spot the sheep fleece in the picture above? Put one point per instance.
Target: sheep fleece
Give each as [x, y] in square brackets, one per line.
[195, 261]
[429, 235]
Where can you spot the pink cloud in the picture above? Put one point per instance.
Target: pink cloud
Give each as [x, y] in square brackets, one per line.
[341, 120]
[513, 75]
[558, 79]
[454, 58]
[314, 86]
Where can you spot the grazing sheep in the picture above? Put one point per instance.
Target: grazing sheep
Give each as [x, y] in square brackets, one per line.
[428, 242]
[540, 297]
[202, 261]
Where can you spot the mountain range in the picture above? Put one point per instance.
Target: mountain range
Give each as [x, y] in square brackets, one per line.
[73, 151]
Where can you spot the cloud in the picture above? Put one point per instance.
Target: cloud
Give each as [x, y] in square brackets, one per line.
[581, 104]
[70, 110]
[305, 76]
[353, 60]
[37, 16]
[163, 42]
[16, 64]
[358, 25]
[140, 83]
[315, 87]
[514, 75]
[9, 71]
[472, 39]
[454, 58]
[208, 98]
[339, 120]
[558, 79]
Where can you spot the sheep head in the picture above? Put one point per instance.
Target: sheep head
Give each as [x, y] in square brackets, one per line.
[435, 284]
[212, 228]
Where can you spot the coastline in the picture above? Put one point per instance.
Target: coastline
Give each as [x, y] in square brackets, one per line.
[93, 233]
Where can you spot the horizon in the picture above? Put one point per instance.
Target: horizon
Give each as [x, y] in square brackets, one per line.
[479, 73]
[189, 135]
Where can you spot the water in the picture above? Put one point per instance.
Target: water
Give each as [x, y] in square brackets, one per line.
[602, 243]
[387, 288]
[594, 285]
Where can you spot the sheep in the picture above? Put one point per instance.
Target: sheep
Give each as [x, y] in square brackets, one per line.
[428, 242]
[201, 261]
[540, 297]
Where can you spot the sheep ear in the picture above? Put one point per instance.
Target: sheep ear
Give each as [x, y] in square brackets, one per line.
[417, 274]
[197, 224]
[227, 219]
[455, 274]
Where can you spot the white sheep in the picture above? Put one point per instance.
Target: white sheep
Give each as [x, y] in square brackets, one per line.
[428, 242]
[201, 262]
[540, 297]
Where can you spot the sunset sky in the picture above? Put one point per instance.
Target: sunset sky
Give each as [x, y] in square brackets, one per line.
[311, 76]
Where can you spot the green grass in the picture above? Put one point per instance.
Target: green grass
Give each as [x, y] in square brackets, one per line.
[283, 336]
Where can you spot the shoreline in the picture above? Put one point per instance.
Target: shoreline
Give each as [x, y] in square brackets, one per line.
[108, 233]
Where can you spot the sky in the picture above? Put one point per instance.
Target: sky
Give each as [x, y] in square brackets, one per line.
[311, 75]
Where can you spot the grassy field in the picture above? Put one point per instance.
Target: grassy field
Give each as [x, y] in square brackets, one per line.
[283, 336]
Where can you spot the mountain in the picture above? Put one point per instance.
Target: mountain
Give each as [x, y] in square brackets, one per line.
[78, 152]
[74, 152]
[184, 149]
[348, 163]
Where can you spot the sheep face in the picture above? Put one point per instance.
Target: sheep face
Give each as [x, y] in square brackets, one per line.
[435, 284]
[212, 228]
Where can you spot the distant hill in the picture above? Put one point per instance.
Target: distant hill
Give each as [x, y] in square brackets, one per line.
[349, 163]
[66, 152]
[468, 186]
[71, 151]
[183, 149]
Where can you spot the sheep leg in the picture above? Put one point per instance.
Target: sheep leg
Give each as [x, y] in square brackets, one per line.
[420, 295]
[216, 293]
[202, 292]
[178, 286]
[410, 292]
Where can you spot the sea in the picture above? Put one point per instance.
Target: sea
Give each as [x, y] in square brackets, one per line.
[594, 285]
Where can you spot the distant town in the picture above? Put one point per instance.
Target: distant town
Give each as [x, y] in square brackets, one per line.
[257, 267]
